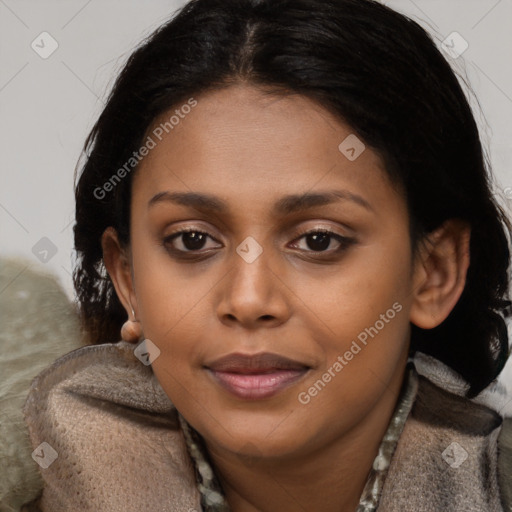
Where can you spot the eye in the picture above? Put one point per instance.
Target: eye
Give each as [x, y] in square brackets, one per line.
[192, 240]
[319, 240]
[187, 240]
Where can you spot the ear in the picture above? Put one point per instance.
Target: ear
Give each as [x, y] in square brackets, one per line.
[117, 263]
[440, 272]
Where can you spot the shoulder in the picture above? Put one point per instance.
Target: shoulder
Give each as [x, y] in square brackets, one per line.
[109, 371]
[99, 420]
[505, 462]
[450, 451]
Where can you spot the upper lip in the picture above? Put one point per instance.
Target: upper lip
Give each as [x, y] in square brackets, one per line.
[255, 363]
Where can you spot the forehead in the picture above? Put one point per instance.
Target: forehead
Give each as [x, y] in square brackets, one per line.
[250, 148]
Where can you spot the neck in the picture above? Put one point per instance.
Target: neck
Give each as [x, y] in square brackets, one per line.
[330, 478]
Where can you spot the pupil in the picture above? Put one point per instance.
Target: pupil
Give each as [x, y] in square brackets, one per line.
[193, 240]
[320, 241]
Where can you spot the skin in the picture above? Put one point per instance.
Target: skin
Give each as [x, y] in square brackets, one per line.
[305, 303]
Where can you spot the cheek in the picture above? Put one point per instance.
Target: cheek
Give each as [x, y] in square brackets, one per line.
[166, 292]
[175, 314]
[365, 322]
[367, 283]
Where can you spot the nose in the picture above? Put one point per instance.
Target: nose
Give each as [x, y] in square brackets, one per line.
[253, 294]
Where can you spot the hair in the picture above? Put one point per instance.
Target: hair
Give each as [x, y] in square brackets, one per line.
[376, 70]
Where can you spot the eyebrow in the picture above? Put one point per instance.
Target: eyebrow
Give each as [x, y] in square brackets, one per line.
[286, 205]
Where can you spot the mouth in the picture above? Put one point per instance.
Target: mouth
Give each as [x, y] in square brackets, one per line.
[256, 376]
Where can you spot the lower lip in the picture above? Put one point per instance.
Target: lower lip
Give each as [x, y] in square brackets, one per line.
[257, 385]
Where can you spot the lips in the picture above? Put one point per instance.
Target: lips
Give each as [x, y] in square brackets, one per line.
[256, 376]
[257, 363]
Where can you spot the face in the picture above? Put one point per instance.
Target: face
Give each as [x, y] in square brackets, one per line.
[300, 248]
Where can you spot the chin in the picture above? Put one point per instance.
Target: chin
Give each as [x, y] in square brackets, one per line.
[259, 439]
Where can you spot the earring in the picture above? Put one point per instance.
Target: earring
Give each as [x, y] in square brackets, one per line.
[131, 330]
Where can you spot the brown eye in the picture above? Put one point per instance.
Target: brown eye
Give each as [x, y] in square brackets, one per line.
[321, 241]
[318, 241]
[193, 242]
[189, 240]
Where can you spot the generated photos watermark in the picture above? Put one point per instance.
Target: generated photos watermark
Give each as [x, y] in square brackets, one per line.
[304, 397]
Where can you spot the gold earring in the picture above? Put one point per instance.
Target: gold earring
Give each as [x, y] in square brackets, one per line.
[131, 330]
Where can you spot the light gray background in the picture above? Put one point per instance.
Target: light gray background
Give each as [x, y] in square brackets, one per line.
[48, 106]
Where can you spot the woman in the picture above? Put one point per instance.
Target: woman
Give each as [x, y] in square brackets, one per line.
[289, 201]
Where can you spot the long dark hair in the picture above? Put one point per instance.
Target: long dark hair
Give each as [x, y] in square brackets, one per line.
[374, 68]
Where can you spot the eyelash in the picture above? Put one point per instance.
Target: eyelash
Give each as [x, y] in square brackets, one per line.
[344, 242]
